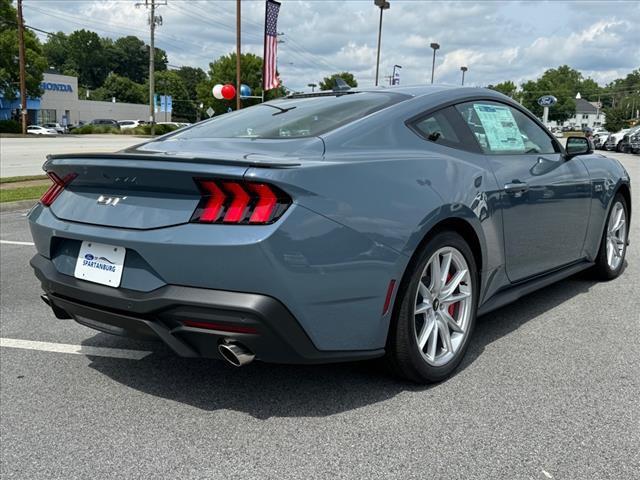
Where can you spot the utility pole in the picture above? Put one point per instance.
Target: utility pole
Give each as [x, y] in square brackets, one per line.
[238, 103]
[23, 74]
[153, 21]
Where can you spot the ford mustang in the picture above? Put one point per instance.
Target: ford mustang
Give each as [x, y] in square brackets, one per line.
[327, 227]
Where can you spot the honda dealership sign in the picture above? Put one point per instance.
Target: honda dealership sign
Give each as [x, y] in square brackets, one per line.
[56, 87]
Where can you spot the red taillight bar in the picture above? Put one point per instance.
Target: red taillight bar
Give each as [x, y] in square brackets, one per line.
[238, 202]
[56, 189]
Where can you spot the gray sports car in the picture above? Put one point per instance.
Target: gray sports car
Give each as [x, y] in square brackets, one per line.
[334, 226]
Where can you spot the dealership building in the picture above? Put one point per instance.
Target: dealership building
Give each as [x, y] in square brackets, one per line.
[60, 103]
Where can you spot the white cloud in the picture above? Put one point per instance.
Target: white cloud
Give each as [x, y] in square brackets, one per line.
[497, 41]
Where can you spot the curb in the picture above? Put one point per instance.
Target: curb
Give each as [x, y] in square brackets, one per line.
[17, 206]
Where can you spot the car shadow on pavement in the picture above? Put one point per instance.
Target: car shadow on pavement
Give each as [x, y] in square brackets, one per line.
[266, 390]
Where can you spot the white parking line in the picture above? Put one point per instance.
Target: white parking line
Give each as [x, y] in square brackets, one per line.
[74, 349]
[11, 242]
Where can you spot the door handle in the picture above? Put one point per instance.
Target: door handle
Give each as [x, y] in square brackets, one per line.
[518, 187]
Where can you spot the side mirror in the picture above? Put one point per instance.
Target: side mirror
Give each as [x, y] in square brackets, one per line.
[578, 146]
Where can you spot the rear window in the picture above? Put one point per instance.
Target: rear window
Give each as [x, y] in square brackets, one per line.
[294, 117]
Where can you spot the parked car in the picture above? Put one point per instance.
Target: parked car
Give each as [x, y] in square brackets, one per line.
[634, 141]
[624, 145]
[38, 130]
[129, 124]
[55, 126]
[329, 227]
[104, 122]
[600, 137]
[72, 127]
[614, 140]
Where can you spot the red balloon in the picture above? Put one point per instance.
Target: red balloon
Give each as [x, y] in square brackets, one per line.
[228, 92]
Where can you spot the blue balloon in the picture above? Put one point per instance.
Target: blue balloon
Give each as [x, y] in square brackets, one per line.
[245, 91]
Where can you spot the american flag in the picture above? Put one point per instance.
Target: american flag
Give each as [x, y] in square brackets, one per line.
[269, 75]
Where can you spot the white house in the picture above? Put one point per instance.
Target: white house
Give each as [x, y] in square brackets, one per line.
[588, 114]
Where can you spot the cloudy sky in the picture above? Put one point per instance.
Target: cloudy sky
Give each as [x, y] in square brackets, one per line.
[496, 40]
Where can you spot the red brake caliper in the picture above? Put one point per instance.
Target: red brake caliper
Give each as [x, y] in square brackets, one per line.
[452, 307]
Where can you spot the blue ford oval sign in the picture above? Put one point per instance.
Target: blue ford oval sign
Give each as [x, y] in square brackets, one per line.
[547, 101]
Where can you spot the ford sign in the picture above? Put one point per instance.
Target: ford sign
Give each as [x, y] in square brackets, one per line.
[547, 101]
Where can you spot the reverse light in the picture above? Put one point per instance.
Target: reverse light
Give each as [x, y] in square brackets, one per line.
[56, 189]
[238, 202]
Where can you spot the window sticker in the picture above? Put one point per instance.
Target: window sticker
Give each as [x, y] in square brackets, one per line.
[501, 130]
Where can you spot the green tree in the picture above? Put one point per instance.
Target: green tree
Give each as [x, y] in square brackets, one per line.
[87, 57]
[192, 77]
[507, 88]
[329, 82]
[124, 89]
[615, 119]
[160, 60]
[35, 61]
[223, 70]
[564, 83]
[170, 83]
[56, 49]
[132, 58]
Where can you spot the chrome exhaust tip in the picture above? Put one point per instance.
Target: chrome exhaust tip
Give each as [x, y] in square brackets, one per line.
[46, 300]
[235, 354]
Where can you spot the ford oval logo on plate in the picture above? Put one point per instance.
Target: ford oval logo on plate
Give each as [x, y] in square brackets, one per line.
[547, 101]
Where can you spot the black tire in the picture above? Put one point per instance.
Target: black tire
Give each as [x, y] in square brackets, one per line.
[602, 269]
[403, 353]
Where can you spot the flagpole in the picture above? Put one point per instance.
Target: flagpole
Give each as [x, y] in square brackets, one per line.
[238, 104]
[264, 51]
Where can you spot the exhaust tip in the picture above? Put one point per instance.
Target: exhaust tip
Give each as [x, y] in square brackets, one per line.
[235, 354]
[46, 300]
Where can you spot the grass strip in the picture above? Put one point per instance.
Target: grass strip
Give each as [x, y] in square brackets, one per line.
[22, 193]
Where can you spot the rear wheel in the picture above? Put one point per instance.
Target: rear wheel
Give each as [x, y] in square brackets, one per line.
[437, 310]
[613, 246]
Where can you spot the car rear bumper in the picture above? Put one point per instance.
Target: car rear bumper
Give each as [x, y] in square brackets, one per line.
[259, 322]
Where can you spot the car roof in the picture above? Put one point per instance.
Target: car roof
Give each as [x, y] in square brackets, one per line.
[410, 90]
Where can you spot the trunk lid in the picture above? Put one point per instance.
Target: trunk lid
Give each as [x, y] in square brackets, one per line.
[144, 188]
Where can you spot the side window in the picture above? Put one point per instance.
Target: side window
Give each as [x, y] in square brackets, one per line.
[444, 127]
[501, 129]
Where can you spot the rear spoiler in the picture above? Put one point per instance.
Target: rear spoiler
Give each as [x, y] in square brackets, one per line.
[261, 161]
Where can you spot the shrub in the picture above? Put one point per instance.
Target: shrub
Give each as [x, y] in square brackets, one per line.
[146, 130]
[85, 129]
[10, 126]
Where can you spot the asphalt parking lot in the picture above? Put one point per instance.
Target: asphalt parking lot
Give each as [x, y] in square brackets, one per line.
[549, 389]
[24, 156]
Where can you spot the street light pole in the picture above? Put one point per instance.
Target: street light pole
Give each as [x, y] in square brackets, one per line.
[464, 69]
[435, 47]
[383, 5]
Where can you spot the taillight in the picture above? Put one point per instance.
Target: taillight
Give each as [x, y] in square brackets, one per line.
[56, 189]
[239, 202]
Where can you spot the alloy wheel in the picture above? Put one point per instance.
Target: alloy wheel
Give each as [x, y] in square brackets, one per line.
[443, 304]
[616, 236]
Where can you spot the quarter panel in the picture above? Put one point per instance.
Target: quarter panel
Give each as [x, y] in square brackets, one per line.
[606, 175]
